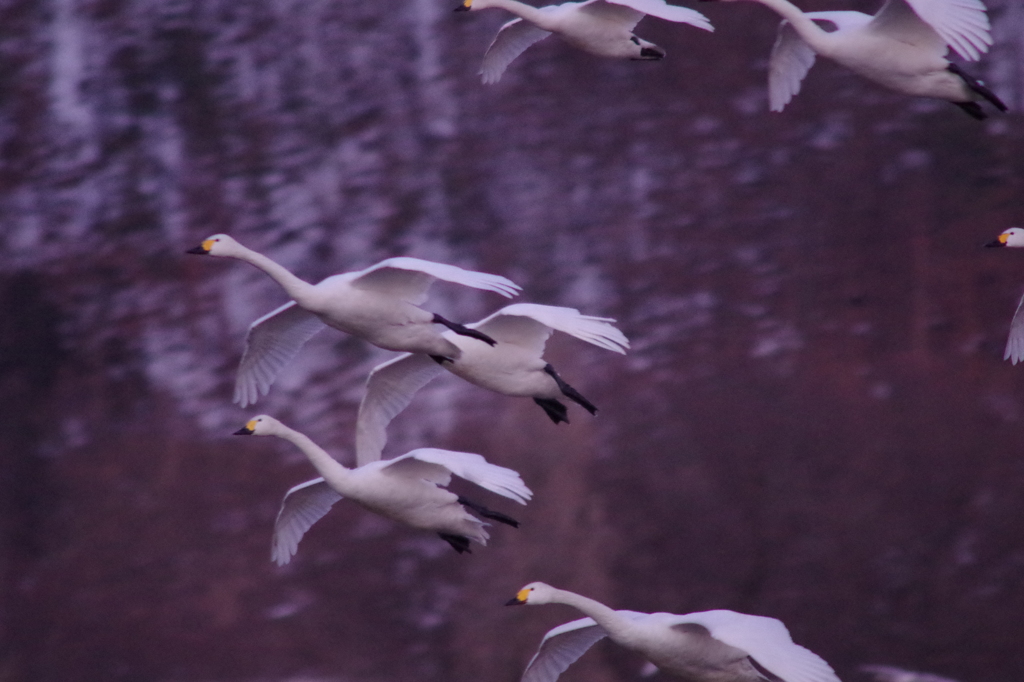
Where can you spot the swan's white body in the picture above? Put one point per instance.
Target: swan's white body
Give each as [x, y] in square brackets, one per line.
[408, 489]
[601, 27]
[710, 646]
[902, 47]
[378, 304]
[1013, 238]
[515, 366]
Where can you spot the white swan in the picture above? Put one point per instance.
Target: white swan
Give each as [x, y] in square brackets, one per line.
[902, 47]
[1014, 238]
[408, 489]
[710, 646]
[515, 366]
[378, 304]
[601, 27]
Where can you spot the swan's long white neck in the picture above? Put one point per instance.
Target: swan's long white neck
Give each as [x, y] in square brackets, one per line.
[813, 34]
[520, 9]
[328, 467]
[610, 619]
[293, 286]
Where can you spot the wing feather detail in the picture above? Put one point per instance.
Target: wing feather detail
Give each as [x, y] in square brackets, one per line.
[530, 325]
[273, 340]
[961, 24]
[389, 390]
[766, 640]
[303, 505]
[512, 39]
[1015, 342]
[561, 647]
[410, 278]
[663, 10]
[475, 469]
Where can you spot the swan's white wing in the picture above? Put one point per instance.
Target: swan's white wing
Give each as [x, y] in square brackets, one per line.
[303, 505]
[562, 646]
[792, 57]
[475, 469]
[409, 467]
[962, 24]
[1015, 342]
[511, 41]
[520, 330]
[767, 641]
[410, 278]
[790, 61]
[389, 390]
[530, 324]
[272, 341]
[627, 17]
[663, 10]
[898, 21]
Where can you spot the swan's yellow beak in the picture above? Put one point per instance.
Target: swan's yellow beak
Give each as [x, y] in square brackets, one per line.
[246, 430]
[465, 6]
[202, 249]
[519, 599]
[1000, 240]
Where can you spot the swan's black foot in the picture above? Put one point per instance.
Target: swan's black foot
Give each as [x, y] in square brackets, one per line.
[488, 513]
[978, 87]
[651, 53]
[459, 543]
[570, 392]
[973, 110]
[463, 330]
[554, 409]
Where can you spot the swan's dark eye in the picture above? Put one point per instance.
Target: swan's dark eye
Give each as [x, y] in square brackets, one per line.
[635, 40]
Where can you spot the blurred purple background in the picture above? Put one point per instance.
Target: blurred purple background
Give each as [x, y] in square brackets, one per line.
[814, 423]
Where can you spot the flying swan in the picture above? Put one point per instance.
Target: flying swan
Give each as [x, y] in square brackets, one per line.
[710, 646]
[902, 47]
[601, 27]
[515, 366]
[408, 489]
[378, 304]
[1013, 237]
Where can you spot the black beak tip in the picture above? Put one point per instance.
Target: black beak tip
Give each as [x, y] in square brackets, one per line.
[461, 8]
[994, 243]
[244, 431]
[199, 251]
[514, 601]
